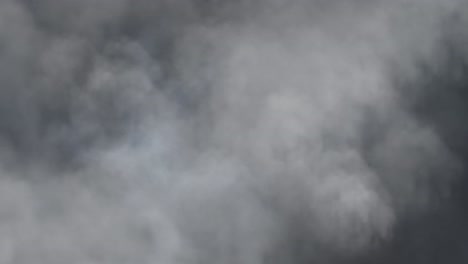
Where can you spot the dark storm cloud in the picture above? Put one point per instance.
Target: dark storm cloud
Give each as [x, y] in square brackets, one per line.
[232, 131]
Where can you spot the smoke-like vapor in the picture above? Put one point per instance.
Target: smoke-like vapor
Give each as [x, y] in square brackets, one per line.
[243, 132]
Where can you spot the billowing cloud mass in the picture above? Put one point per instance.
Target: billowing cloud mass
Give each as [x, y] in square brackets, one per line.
[233, 131]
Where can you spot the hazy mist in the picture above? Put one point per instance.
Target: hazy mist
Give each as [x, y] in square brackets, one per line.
[233, 131]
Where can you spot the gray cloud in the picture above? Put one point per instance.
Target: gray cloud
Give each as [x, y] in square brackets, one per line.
[230, 131]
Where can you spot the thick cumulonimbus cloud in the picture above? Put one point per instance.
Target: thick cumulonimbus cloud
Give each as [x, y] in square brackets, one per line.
[232, 131]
